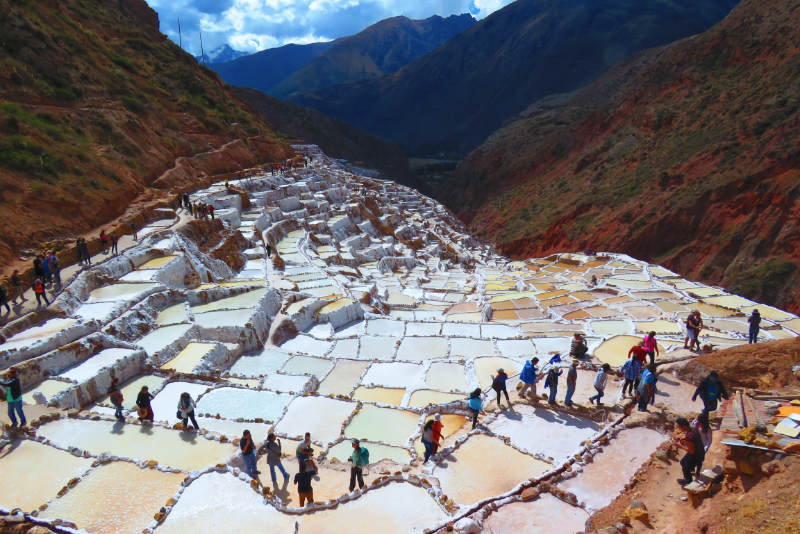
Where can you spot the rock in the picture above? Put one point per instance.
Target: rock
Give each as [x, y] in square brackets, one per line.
[466, 525]
[661, 454]
[636, 503]
[792, 448]
[529, 494]
[772, 467]
[38, 529]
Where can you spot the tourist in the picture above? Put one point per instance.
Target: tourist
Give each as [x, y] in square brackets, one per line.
[302, 451]
[115, 396]
[274, 458]
[709, 391]
[303, 480]
[103, 240]
[499, 386]
[143, 408]
[552, 382]
[427, 439]
[55, 268]
[578, 348]
[528, 377]
[16, 286]
[632, 372]
[694, 323]
[572, 381]
[134, 230]
[650, 346]
[248, 454]
[689, 440]
[4, 299]
[186, 411]
[437, 428]
[114, 242]
[46, 268]
[647, 387]
[475, 405]
[359, 459]
[38, 268]
[702, 426]
[211, 211]
[600, 380]
[269, 250]
[14, 397]
[755, 324]
[39, 291]
[639, 352]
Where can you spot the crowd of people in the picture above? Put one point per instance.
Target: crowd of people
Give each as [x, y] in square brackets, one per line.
[197, 209]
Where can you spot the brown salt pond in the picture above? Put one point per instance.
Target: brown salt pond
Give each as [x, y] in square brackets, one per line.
[602, 480]
[546, 515]
[393, 396]
[483, 467]
[34, 473]
[117, 498]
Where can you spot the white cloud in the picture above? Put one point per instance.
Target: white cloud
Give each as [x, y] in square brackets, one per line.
[253, 25]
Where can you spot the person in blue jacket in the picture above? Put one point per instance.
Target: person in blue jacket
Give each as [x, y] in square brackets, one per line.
[528, 378]
[475, 405]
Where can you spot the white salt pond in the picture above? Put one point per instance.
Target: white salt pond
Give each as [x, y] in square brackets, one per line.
[384, 425]
[267, 362]
[321, 416]
[160, 338]
[35, 472]
[343, 378]
[298, 365]
[224, 318]
[233, 403]
[395, 374]
[422, 348]
[49, 388]
[602, 480]
[37, 333]
[117, 292]
[307, 345]
[142, 442]
[189, 358]
[446, 376]
[243, 300]
[342, 451]
[165, 403]
[90, 367]
[544, 515]
[172, 315]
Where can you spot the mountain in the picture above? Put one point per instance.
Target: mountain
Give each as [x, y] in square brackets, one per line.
[336, 138]
[95, 106]
[452, 98]
[263, 70]
[221, 54]
[380, 49]
[687, 156]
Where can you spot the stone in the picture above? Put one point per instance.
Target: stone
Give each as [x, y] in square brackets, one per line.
[466, 525]
[529, 494]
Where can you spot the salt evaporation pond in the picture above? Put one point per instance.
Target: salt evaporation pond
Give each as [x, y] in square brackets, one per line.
[396, 374]
[546, 514]
[189, 358]
[384, 425]
[117, 292]
[299, 365]
[243, 300]
[89, 368]
[445, 376]
[165, 403]
[267, 362]
[232, 403]
[343, 378]
[224, 318]
[422, 348]
[49, 388]
[160, 338]
[142, 442]
[321, 416]
[172, 315]
[37, 333]
[377, 451]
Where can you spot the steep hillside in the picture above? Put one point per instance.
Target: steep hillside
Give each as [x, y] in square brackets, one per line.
[451, 99]
[336, 138]
[95, 104]
[688, 156]
[381, 49]
[264, 69]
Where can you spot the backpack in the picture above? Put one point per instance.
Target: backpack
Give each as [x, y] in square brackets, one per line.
[365, 455]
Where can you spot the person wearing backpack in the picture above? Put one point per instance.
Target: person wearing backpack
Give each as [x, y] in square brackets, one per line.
[600, 381]
[115, 396]
[552, 382]
[427, 439]
[709, 391]
[14, 397]
[186, 411]
[528, 378]
[499, 386]
[475, 405]
[647, 387]
[39, 291]
[632, 371]
[359, 459]
[274, 458]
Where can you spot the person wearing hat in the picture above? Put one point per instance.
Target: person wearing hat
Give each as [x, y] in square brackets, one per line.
[499, 386]
[528, 377]
[578, 347]
[143, 408]
[274, 458]
[14, 397]
[359, 459]
[304, 451]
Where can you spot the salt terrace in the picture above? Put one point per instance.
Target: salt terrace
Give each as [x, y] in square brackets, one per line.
[374, 311]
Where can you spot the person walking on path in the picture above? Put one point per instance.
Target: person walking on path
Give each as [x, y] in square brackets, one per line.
[46, 268]
[647, 387]
[650, 345]
[709, 391]
[552, 382]
[639, 352]
[134, 230]
[4, 299]
[103, 240]
[55, 267]
[14, 397]
[274, 458]
[437, 428]
[578, 347]
[39, 291]
[702, 426]
[16, 285]
[600, 381]
[755, 325]
[528, 377]
[475, 405]
[632, 372]
[114, 243]
[38, 267]
[143, 408]
[694, 323]
[359, 459]
[115, 396]
[689, 440]
[248, 454]
[186, 411]
[303, 480]
[499, 386]
[572, 381]
[302, 451]
[211, 211]
[427, 439]
[269, 250]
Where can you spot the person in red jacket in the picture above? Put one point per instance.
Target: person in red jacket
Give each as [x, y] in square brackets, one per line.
[436, 429]
[639, 352]
[38, 289]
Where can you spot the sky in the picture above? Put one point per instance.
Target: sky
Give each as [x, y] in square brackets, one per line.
[253, 25]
